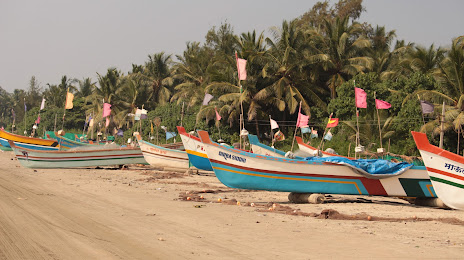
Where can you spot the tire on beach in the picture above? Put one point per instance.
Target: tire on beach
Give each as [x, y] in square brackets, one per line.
[313, 198]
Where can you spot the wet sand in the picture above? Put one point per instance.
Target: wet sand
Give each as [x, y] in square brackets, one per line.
[142, 213]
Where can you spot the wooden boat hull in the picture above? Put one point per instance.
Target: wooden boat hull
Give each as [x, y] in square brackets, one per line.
[70, 159]
[242, 170]
[195, 150]
[159, 156]
[27, 142]
[446, 171]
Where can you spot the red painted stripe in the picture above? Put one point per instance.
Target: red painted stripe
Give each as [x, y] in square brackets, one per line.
[374, 186]
[446, 173]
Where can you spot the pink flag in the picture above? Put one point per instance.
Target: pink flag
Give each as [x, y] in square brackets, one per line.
[38, 120]
[107, 121]
[380, 104]
[241, 67]
[360, 97]
[302, 120]
[106, 109]
[274, 124]
[218, 117]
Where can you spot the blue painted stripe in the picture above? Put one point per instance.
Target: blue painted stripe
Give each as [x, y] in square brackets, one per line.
[427, 188]
[200, 162]
[4, 142]
[248, 179]
[36, 147]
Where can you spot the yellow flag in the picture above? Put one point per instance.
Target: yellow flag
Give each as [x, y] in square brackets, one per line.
[69, 100]
[151, 127]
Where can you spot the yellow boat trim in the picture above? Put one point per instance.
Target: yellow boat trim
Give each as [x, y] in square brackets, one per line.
[196, 153]
[290, 178]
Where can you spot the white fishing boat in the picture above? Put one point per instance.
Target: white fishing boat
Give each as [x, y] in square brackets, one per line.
[243, 170]
[446, 171]
[172, 155]
[69, 159]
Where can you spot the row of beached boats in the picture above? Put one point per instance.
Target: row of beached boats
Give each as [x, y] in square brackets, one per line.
[264, 167]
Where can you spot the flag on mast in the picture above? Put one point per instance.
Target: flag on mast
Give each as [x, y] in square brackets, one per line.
[69, 100]
[218, 117]
[380, 104]
[302, 120]
[274, 124]
[241, 68]
[328, 136]
[207, 98]
[42, 106]
[426, 107]
[360, 97]
[106, 109]
[333, 122]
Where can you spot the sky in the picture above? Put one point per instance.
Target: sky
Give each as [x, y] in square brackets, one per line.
[51, 38]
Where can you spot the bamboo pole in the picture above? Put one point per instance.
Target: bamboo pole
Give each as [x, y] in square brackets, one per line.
[378, 119]
[442, 125]
[296, 127]
[25, 131]
[272, 133]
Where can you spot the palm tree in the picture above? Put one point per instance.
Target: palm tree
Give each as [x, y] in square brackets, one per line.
[450, 75]
[415, 59]
[339, 51]
[56, 94]
[284, 66]
[380, 49]
[108, 91]
[192, 73]
[157, 73]
[85, 87]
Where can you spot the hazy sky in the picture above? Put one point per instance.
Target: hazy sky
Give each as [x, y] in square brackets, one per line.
[51, 38]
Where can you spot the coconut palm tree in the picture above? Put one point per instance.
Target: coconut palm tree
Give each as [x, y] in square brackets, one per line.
[339, 51]
[415, 59]
[157, 74]
[284, 68]
[85, 87]
[192, 73]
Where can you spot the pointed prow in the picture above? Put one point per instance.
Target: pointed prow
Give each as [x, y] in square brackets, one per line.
[421, 140]
[204, 136]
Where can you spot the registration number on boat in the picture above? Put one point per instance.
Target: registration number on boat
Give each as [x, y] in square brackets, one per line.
[233, 157]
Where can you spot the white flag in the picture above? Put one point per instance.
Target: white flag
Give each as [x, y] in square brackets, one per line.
[42, 106]
[206, 99]
[274, 124]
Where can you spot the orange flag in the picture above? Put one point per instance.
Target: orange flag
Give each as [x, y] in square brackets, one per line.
[69, 100]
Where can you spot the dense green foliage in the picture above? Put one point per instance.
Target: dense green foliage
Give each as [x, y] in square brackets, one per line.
[315, 60]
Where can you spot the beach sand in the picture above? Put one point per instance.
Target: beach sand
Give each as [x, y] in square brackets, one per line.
[142, 213]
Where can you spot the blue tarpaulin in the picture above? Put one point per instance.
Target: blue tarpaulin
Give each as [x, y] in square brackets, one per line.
[369, 166]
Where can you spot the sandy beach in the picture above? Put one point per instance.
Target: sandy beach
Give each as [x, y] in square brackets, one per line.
[144, 213]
